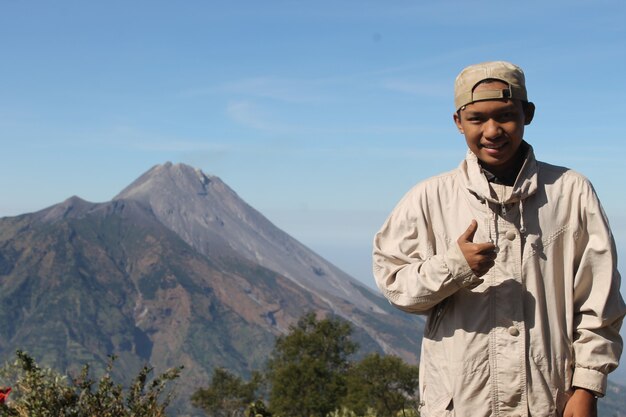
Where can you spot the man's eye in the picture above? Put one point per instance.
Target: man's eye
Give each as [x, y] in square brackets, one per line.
[507, 116]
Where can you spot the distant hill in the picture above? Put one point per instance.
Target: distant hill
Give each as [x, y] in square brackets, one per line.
[175, 270]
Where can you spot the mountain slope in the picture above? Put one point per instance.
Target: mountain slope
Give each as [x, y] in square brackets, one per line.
[210, 217]
[80, 281]
[207, 214]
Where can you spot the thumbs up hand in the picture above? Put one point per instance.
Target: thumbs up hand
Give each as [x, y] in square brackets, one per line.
[479, 256]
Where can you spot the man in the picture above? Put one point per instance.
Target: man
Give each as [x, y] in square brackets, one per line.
[513, 262]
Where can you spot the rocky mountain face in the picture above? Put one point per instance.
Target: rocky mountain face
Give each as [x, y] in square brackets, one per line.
[175, 270]
[210, 217]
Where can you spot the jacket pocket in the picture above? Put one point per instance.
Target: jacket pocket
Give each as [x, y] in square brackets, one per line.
[436, 317]
[442, 406]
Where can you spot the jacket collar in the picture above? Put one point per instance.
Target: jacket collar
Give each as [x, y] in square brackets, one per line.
[477, 184]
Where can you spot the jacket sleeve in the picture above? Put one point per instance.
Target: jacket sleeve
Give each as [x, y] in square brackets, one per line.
[598, 305]
[411, 271]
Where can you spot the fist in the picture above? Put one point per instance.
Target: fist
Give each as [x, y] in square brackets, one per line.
[480, 257]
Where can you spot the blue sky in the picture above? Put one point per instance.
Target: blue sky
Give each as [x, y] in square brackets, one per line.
[320, 114]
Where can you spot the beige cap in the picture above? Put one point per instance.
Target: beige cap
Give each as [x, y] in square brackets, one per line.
[504, 71]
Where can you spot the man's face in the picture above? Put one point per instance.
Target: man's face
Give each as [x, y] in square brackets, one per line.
[493, 129]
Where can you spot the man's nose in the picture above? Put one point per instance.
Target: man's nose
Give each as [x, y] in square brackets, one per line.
[492, 129]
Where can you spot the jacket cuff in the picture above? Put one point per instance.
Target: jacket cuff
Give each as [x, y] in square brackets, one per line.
[590, 379]
[460, 269]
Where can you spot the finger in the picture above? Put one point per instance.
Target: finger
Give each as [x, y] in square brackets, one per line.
[480, 272]
[483, 267]
[468, 235]
[487, 265]
[491, 256]
[484, 248]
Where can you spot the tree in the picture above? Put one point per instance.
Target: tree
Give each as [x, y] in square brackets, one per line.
[42, 392]
[227, 395]
[384, 384]
[257, 409]
[308, 367]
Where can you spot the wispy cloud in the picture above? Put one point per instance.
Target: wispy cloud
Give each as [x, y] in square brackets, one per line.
[286, 90]
[344, 86]
[273, 88]
[247, 113]
[418, 88]
[136, 138]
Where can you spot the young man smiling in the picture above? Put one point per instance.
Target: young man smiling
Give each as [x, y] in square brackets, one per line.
[514, 263]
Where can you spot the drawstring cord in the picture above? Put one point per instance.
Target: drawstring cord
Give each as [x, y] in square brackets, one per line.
[522, 228]
[491, 228]
[494, 222]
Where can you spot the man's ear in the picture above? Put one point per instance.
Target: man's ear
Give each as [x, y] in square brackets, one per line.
[529, 112]
[457, 120]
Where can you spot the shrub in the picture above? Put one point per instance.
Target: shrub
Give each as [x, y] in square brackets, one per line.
[42, 392]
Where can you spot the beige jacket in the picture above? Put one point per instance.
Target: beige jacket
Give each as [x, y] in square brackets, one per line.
[545, 318]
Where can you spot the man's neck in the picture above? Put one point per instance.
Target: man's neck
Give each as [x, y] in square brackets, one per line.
[508, 174]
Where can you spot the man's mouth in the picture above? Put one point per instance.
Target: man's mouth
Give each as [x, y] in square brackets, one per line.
[493, 146]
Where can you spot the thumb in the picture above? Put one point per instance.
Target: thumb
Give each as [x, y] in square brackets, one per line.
[468, 235]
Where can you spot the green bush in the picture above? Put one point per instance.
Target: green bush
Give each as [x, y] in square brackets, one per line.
[382, 385]
[228, 395]
[310, 374]
[345, 412]
[42, 392]
[307, 369]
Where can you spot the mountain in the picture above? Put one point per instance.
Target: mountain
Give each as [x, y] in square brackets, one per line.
[175, 270]
[211, 218]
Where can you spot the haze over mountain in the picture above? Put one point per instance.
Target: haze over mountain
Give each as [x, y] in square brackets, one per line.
[176, 269]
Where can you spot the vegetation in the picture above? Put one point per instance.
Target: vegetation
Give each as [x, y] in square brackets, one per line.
[41, 392]
[382, 384]
[228, 395]
[310, 375]
[308, 368]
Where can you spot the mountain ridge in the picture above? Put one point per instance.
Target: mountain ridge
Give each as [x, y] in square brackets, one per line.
[159, 275]
[242, 225]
